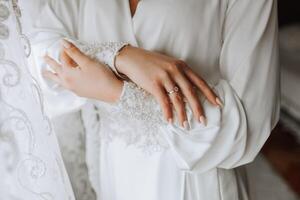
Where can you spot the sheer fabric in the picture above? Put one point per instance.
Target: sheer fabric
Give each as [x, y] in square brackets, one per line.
[31, 164]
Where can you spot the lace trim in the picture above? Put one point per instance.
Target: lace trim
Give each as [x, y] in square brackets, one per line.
[136, 118]
[141, 108]
[105, 52]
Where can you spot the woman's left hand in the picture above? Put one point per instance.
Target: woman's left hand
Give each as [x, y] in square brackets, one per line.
[83, 75]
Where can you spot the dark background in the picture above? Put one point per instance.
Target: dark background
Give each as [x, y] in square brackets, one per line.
[289, 12]
[282, 149]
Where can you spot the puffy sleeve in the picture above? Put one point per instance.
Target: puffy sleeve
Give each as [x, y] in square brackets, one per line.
[59, 20]
[56, 20]
[249, 90]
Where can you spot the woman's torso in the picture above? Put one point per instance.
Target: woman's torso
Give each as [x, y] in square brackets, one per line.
[190, 30]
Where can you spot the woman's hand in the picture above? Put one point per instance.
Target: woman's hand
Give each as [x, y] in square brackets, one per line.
[84, 76]
[161, 76]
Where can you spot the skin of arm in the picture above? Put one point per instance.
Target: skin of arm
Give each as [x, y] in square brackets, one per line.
[235, 134]
[159, 74]
[84, 76]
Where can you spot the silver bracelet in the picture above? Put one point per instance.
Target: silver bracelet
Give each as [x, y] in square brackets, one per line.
[117, 52]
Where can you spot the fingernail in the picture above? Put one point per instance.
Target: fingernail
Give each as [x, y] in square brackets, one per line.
[170, 121]
[66, 44]
[202, 120]
[219, 102]
[186, 125]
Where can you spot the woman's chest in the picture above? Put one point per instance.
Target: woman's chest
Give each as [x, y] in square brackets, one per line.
[186, 29]
[178, 17]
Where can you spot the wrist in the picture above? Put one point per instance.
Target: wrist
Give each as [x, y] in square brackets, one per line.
[117, 92]
[122, 59]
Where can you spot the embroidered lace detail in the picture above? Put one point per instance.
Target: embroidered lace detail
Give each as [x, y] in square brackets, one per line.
[29, 153]
[141, 108]
[136, 118]
[105, 52]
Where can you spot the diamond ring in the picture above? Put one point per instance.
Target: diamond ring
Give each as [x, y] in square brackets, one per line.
[174, 90]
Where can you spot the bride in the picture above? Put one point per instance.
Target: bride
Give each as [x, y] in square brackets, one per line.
[178, 93]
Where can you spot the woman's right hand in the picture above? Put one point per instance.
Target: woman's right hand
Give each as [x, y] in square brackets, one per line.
[159, 75]
[83, 76]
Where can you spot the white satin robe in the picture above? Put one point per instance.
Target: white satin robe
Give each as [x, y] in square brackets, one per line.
[231, 43]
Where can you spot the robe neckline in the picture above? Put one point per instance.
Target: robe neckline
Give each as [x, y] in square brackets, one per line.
[136, 9]
[131, 19]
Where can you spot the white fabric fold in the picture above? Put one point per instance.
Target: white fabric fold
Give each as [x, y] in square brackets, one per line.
[231, 43]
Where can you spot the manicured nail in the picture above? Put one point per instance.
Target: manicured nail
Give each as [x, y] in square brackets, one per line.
[170, 121]
[66, 44]
[219, 102]
[186, 125]
[202, 120]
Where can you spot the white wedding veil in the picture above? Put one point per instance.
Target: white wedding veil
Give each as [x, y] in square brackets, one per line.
[31, 165]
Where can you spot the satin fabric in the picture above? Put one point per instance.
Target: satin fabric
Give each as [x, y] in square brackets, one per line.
[231, 43]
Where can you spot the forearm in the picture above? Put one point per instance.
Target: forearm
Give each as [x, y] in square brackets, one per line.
[223, 140]
[105, 53]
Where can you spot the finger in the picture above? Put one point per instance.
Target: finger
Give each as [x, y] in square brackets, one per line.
[189, 92]
[165, 104]
[204, 87]
[177, 101]
[179, 105]
[51, 76]
[74, 53]
[67, 60]
[53, 64]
